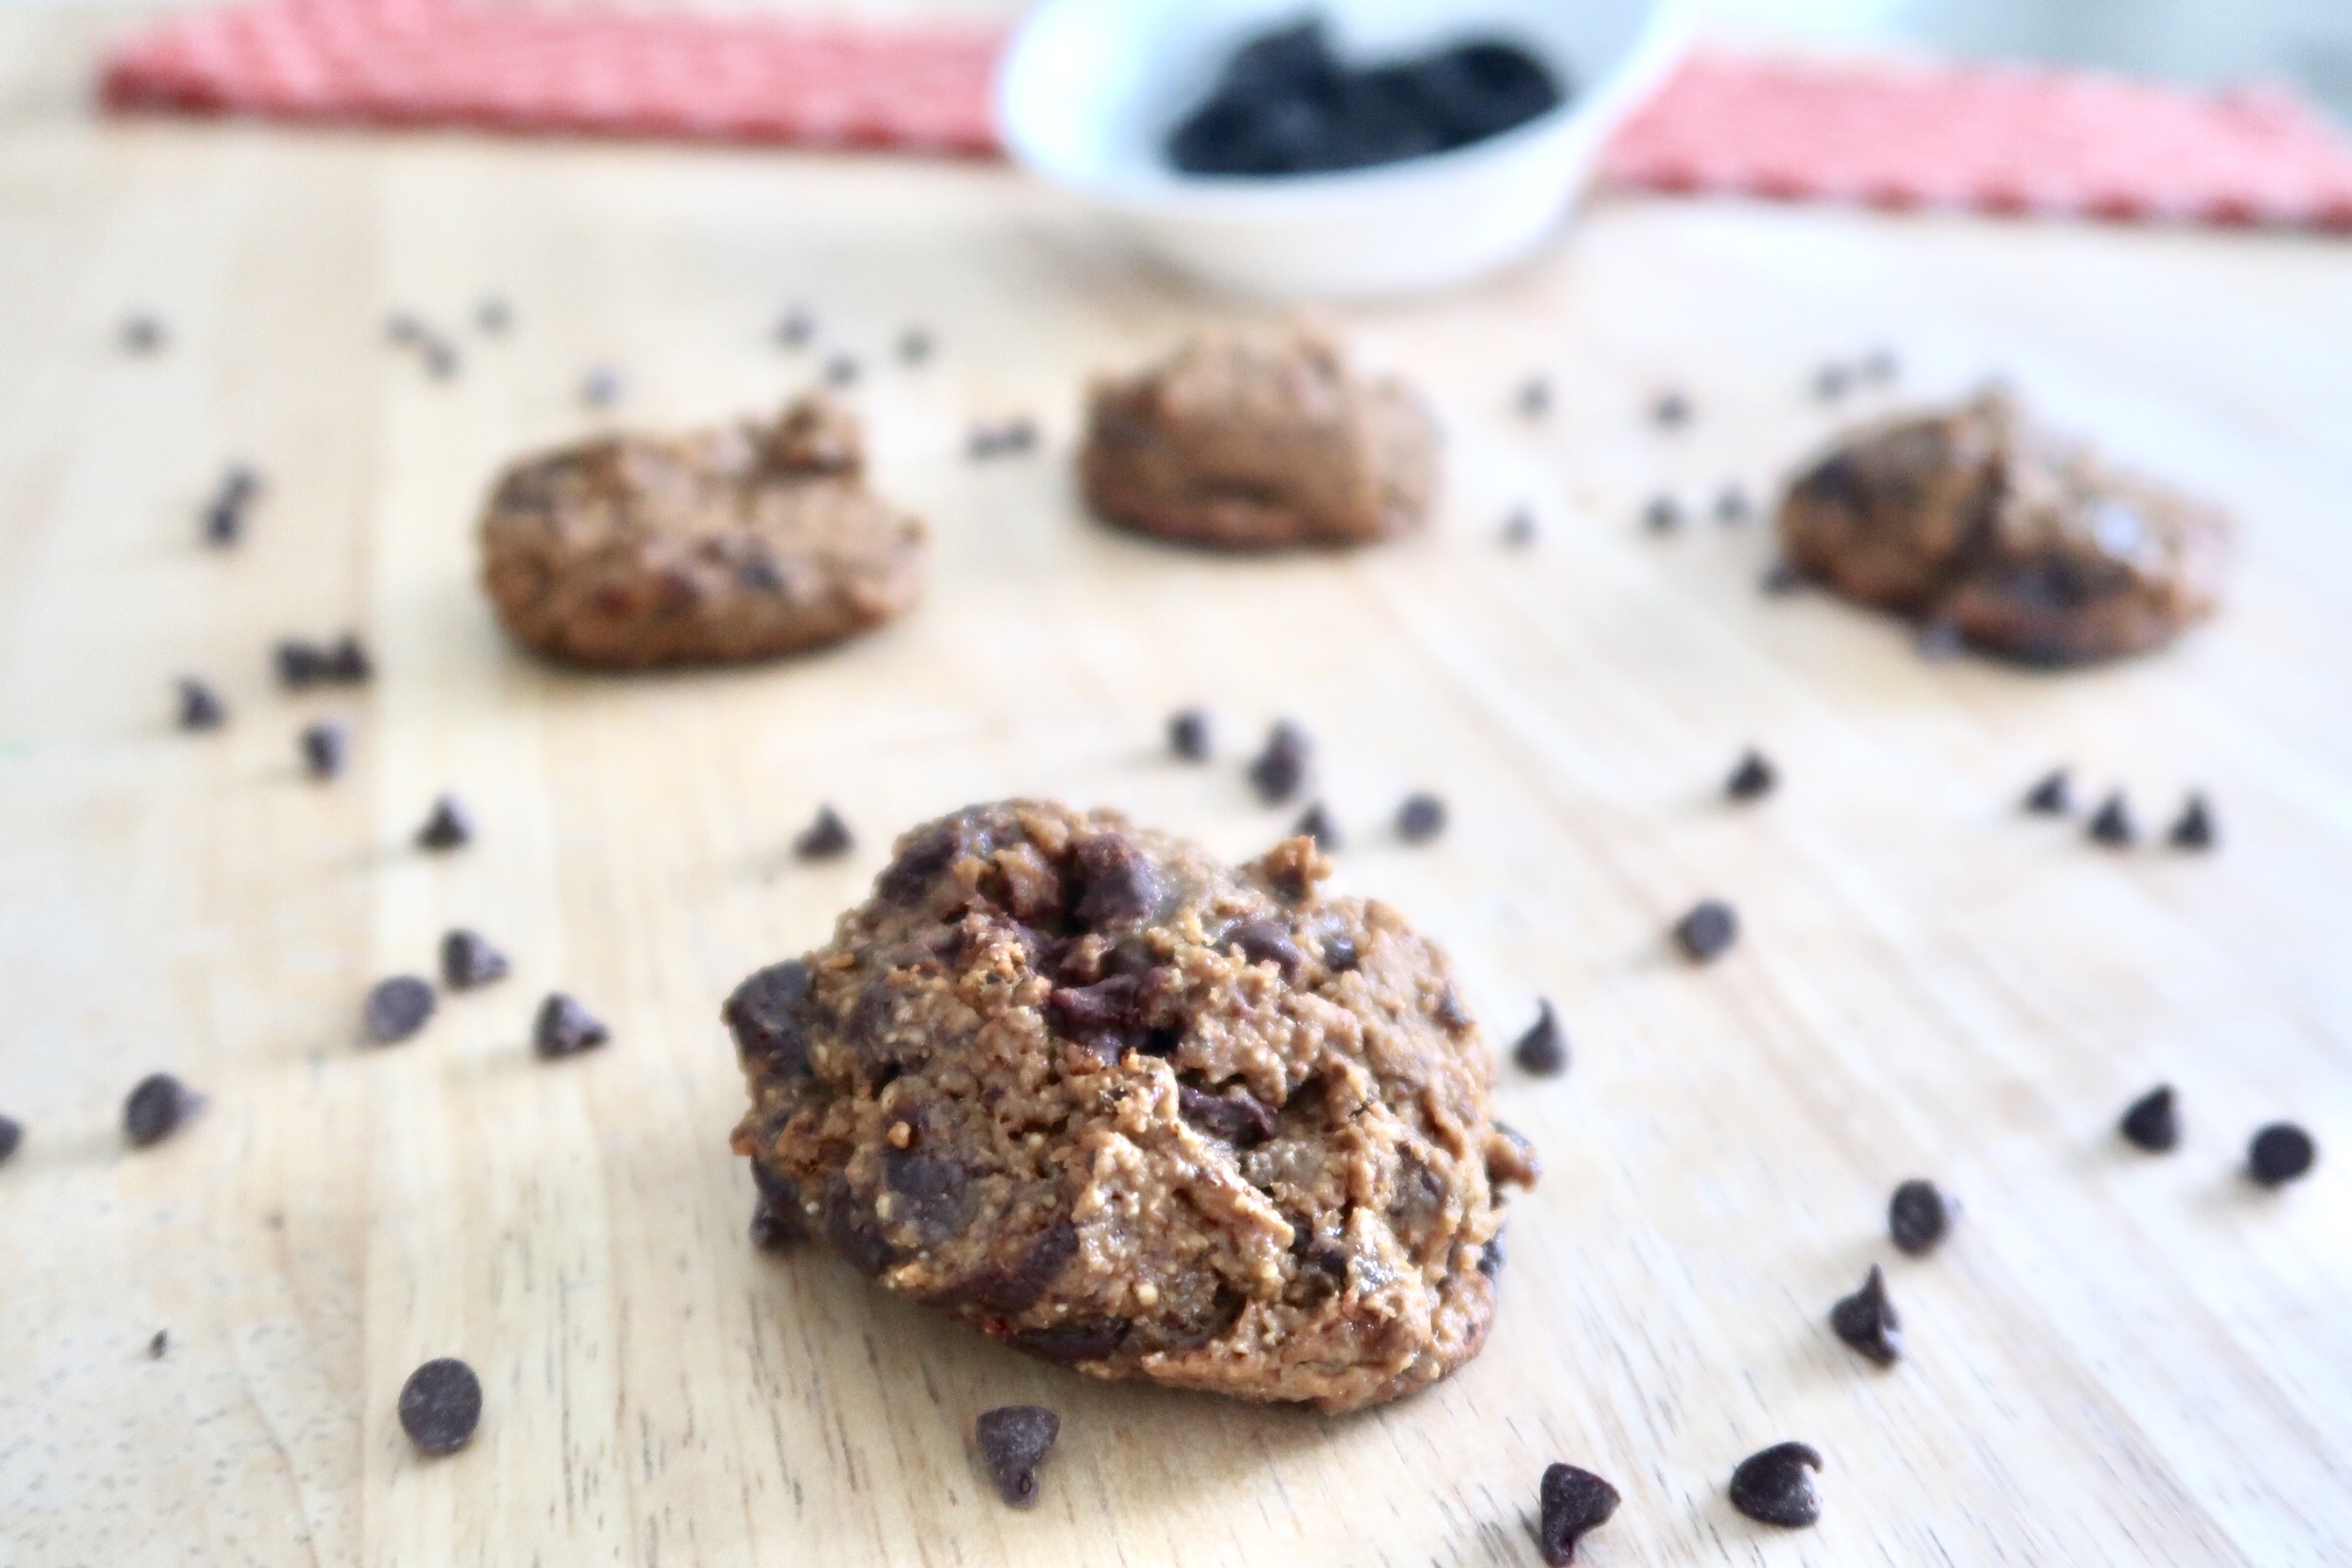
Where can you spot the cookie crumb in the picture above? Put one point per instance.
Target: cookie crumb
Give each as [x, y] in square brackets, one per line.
[2113, 826]
[564, 1028]
[824, 839]
[158, 1345]
[1754, 778]
[2279, 1154]
[2194, 829]
[1279, 769]
[2153, 1122]
[1317, 824]
[396, 1008]
[1708, 931]
[157, 1108]
[1543, 1051]
[1570, 1502]
[1013, 1440]
[323, 745]
[199, 707]
[468, 960]
[1421, 819]
[450, 827]
[1188, 734]
[1920, 1216]
[1868, 1322]
[1775, 1487]
[441, 1406]
[2053, 795]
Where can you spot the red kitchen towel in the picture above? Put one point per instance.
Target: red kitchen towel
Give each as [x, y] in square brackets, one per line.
[1993, 138]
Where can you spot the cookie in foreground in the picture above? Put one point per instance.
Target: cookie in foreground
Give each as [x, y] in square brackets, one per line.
[716, 547]
[1079, 1085]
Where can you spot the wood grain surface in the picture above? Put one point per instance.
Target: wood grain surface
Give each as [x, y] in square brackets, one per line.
[2116, 1359]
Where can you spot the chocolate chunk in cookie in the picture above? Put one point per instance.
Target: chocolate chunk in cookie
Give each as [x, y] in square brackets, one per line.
[1080, 1087]
[716, 547]
[1250, 442]
[2018, 541]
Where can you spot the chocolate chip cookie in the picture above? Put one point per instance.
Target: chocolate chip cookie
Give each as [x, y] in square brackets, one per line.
[715, 547]
[2023, 542]
[1258, 442]
[1080, 1087]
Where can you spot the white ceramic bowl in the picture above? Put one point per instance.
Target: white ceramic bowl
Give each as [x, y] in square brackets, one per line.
[1090, 88]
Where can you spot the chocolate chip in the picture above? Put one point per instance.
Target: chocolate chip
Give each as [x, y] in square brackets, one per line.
[1730, 505]
[1868, 1321]
[1449, 1013]
[1776, 1486]
[346, 663]
[1317, 824]
[441, 1406]
[1420, 818]
[842, 370]
[441, 359]
[224, 512]
[322, 747]
[1753, 779]
[1074, 1344]
[1188, 734]
[397, 1009]
[449, 826]
[774, 1232]
[1267, 942]
[1013, 1441]
[1535, 397]
[1543, 1050]
[916, 346]
[1662, 514]
[2280, 1153]
[492, 316]
[1279, 769]
[600, 388]
[158, 1345]
[1107, 1006]
[157, 1108]
[300, 664]
[143, 333]
[2052, 797]
[769, 1019]
[1120, 882]
[1240, 1118]
[1781, 577]
[797, 329]
[564, 1028]
[1920, 1216]
[1491, 1258]
[1018, 435]
[2113, 825]
[403, 329]
[2194, 829]
[1570, 1502]
[200, 707]
[12, 1137]
[1519, 528]
[468, 960]
[1708, 931]
[1830, 382]
[1672, 409]
[1879, 365]
[1939, 641]
[825, 838]
[2154, 1122]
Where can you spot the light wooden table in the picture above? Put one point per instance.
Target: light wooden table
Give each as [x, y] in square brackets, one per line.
[2116, 1359]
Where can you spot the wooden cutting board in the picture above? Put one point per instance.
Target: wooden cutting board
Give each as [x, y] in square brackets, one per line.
[2116, 1358]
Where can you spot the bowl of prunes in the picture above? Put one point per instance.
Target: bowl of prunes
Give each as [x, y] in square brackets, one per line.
[1343, 149]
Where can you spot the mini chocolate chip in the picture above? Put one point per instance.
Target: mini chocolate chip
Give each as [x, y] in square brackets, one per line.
[797, 329]
[450, 827]
[200, 707]
[1776, 1486]
[1879, 365]
[825, 838]
[2280, 1153]
[322, 747]
[1535, 397]
[2194, 829]
[441, 359]
[347, 661]
[1543, 1050]
[1492, 1256]
[2113, 825]
[300, 664]
[914, 346]
[1571, 1502]
[1317, 824]
[1868, 1321]
[2053, 795]
[1708, 931]
[224, 512]
[842, 370]
[1672, 409]
[1781, 577]
[1519, 528]
[158, 1345]
[157, 1108]
[1830, 382]
[468, 960]
[1662, 514]
[441, 1406]
[1920, 1216]
[1013, 1441]
[397, 1009]
[564, 1028]
[1266, 942]
[12, 1137]
[1730, 505]
[1753, 779]
[1240, 1118]
[143, 333]
[1939, 641]
[1420, 818]
[600, 388]
[2154, 1122]
[1279, 769]
[492, 316]
[1188, 734]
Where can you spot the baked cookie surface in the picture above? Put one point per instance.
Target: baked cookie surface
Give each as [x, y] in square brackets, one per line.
[715, 547]
[1259, 442]
[1082, 1088]
[2024, 543]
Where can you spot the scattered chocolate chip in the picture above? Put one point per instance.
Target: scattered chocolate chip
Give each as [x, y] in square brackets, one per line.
[468, 961]
[1707, 931]
[1879, 365]
[1317, 824]
[1240, 1118]
[157, 1108]
[1868, 1321]
[1519, 528]
[1543, 1050]
[442, 361]
[600, 388]
[1535, 397]
[1730, 505]
[2052, 797]
[492, 316]
[797, 329]
[12, 1137]
[2154, 1122]
[1267, 942]
[2113, 825]
[1776, 1486]
[842, 370]
[1919, 1216]
[1781, 577]
[1662, 514]
[1010, 438]
[323, 745]
[2194, 829]
[1189, 735]
[825, 838]
[403, 329]
[1753, 779]
[397, 1009]
[440, 1405]
[224, 512]
[2280, 1153]
[1672, 409]
[1830, 382]
[200, 707]
[564, 1028]
[1013, 1441]
[1939, 641]
[143, 333]
[450, 827]
[1420, 818]
[914, 346]
[300, 664]
[1570, 1504]
[347, 661]
[1279, 769]
[158, 1345]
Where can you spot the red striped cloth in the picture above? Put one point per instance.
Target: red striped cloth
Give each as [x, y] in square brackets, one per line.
[1993, 138]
